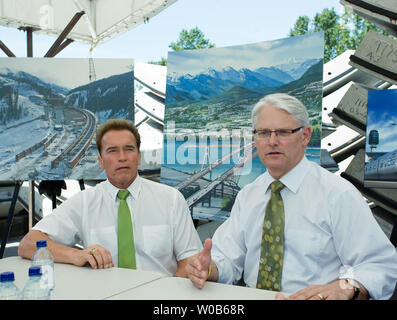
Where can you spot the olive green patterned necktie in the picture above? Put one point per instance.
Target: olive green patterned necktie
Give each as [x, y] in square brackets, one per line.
[272, 247]
[125, 235]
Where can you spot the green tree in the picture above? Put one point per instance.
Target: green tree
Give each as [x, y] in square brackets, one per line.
[340, 32]
[190, 40]
[227, 203]
[361, 27]
[301, 26]
[162, 62]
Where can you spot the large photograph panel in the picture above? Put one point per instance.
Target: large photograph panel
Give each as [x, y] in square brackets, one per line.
[50, 110]
[381, 139]
[208, 149]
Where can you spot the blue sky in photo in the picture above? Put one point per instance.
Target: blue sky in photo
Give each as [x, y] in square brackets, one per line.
[67, 72]
[382, 116]
[251, 56]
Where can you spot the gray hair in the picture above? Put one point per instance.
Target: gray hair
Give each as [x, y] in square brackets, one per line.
[285, 102]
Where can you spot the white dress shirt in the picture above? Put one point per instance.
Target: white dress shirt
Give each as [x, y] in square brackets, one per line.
[163, 228]
[330, 233]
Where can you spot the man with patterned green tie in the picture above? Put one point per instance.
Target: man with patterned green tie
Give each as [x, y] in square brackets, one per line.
[297, 229]
[125, 221]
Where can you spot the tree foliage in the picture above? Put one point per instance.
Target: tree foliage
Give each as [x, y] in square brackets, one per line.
[341, 33]
[162, 62]
[190, 40]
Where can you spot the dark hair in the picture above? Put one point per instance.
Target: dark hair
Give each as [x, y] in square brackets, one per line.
[116, 124]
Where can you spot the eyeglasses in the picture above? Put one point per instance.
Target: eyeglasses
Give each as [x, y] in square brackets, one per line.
[265, 134]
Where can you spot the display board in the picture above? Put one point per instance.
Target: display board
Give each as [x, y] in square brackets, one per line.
[208, 151]
[50, 110]
[381, 139]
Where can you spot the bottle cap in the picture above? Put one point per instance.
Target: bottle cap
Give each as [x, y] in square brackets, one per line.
[35, 271]
[7, 276]
[41, 244]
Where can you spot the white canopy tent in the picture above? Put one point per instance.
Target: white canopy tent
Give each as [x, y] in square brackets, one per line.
[88, 21]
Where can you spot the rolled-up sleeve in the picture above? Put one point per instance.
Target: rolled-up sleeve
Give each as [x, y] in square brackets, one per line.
[366, 253]
[63, 225]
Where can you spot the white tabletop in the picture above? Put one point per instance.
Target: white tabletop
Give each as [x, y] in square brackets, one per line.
[174, 288]
[78, 283]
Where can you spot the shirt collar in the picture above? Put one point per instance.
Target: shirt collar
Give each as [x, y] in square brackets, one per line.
[293, 179]
[134, 188]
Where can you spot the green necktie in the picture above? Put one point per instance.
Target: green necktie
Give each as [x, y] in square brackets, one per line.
[126, 249]
[272, 248]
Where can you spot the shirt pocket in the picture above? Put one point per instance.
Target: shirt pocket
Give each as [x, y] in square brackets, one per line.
[303, 248]
[157, 240]
[106, 237]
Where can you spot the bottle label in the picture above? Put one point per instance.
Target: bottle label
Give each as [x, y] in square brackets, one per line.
[47, 278]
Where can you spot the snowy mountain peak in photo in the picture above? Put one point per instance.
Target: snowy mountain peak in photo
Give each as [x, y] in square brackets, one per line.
[296, 67]
[213, 82]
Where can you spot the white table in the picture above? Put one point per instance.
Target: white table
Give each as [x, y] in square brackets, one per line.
[78, 283]
[174, 288]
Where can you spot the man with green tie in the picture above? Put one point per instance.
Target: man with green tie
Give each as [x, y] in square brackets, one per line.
[297, 229]
[125, 221]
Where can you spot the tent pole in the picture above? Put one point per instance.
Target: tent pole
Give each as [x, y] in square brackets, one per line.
[5, 49]
[29, 42]
[63, 46]
[54, 48]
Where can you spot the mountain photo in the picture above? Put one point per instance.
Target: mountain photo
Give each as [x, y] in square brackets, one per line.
[112, 96]
[50, 110]
[208, 152]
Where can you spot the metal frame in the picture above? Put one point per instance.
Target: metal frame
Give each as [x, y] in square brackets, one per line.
[10, 217]
[57, 47]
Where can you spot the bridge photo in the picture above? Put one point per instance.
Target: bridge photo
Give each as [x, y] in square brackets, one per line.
[208, 151]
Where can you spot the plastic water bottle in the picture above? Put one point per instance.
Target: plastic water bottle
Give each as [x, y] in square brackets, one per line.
[43, 258]
[34, 288]
[8, 289]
